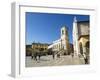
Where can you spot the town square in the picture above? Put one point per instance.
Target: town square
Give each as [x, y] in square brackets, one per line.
[57, 39]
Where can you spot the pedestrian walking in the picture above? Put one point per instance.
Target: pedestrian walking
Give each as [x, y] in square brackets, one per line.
[58, 55]
[72, 55]
[39, 55]
[85, 58]
[32, 56]
[35, 56]
[53, 55]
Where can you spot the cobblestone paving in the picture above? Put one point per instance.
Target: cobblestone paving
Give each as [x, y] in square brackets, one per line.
[49, 61]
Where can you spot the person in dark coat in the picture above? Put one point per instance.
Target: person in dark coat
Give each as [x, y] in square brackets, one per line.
[39, 55]
[72, 55]
[85, 58]
[35, 56]
[53, 55]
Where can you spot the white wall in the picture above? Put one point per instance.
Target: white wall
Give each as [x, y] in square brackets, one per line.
[5, 41]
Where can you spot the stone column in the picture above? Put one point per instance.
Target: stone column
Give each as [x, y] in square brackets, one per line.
[84, 48]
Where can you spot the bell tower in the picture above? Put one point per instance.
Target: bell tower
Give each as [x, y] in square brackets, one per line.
[64, 38]
[75, 37]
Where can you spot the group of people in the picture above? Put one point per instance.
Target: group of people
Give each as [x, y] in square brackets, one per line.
[36, 56]
[56, 54]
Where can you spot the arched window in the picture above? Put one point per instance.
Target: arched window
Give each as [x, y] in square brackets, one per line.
[62, 32]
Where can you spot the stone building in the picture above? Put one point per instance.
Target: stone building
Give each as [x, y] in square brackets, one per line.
[84, 39]
[28, 50]
[40, 46]
[81, 38]
[62, 43]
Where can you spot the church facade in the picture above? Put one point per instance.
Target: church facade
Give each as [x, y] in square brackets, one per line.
[62, 43]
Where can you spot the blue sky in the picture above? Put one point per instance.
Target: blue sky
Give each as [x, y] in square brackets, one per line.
[45, 27]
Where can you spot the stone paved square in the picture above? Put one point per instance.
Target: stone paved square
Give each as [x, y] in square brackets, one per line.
[49, 61]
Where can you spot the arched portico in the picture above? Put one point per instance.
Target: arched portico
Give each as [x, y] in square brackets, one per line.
[84, 45]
